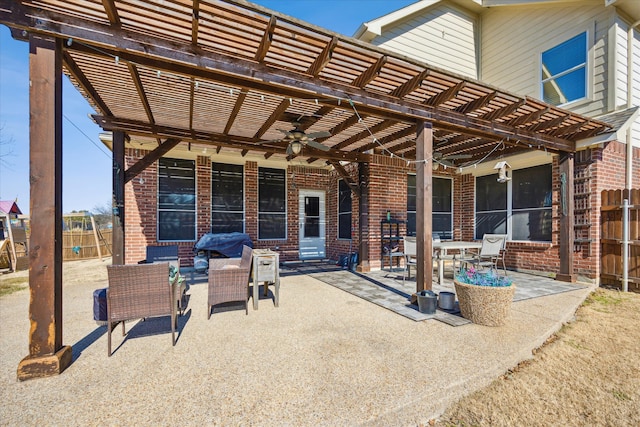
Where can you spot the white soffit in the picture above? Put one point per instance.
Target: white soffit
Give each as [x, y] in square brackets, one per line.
[519, 161]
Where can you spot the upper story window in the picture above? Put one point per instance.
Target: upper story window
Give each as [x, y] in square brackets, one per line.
[176, 199]
[227, 198]
[564, 71]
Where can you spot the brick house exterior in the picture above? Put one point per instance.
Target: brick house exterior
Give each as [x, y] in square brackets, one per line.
[599, 165]
[388, 187]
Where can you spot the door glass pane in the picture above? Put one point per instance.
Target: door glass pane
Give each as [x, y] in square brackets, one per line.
[311, 216]
[312, 227]
[312, 206]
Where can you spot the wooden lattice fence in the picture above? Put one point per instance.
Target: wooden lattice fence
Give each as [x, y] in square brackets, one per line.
[611, 238]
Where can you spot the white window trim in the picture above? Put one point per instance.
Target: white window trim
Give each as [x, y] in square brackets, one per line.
[195, 189]
[286, 205]
[244, 192]
[451, 226]
[338, 214]
[589, 67]
[509, 206]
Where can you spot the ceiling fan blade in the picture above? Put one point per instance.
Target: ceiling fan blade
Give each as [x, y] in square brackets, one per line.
[445, 163]
[459, 156]
[287, 133]
[317, 145]
[322, 134]
[269, 141]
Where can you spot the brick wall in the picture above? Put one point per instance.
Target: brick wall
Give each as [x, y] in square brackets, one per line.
[140, 208]
[607, 172]
[388, 191]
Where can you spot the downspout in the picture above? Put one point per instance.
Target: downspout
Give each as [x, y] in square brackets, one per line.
[629, 163]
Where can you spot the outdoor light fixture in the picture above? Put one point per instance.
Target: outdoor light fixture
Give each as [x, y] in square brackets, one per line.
[502, 171]
[295, 146]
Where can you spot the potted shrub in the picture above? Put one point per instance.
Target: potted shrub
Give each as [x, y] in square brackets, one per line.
[484, 298]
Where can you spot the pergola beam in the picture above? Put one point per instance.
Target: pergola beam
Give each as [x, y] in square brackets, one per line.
[133, 127]
[221, 69]
[147, 160]
[193, 61]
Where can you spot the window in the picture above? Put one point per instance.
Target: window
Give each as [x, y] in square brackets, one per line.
[442, 207]
[491, 206]
[564, 71]
[344, 210]
[227, 198]
[272, 206]
[528, 215]
[176, 199]
[531, 214]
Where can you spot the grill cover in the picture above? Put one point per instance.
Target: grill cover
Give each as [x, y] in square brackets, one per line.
[226, 244]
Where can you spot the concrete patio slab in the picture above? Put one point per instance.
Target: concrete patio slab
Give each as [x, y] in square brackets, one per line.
[324, 357]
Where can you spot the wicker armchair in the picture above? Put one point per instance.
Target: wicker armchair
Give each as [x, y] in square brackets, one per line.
[229, 280]
[139, 291]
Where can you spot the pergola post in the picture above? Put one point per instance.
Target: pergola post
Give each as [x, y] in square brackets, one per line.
[363, 223]
[424, 192]
[566, 234]
[118, 218]
[47, 356]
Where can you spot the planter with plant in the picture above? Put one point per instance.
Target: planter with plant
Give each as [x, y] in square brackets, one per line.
[484, 298]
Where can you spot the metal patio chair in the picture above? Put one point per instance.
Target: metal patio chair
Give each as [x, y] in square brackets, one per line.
[410, 256]
[491, 253]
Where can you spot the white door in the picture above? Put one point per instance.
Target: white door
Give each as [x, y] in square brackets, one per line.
[311, 227]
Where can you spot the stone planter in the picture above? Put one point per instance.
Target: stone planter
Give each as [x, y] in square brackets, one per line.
[485, 305]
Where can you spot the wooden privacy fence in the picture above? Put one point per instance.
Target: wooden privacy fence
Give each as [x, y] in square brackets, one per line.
[83, 244]
[611, 238]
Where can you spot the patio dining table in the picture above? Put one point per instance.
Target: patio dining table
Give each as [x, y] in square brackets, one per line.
[449, 245]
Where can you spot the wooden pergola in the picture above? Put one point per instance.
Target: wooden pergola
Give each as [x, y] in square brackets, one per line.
[228, 74]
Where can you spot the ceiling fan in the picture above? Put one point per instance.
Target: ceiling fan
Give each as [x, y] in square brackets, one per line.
[297, 138]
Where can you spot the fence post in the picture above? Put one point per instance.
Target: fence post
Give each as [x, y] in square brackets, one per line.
[625, 245]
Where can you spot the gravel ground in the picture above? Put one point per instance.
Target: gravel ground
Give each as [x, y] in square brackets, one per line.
[324, 357]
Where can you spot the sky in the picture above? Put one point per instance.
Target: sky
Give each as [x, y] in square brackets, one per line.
[86, 162]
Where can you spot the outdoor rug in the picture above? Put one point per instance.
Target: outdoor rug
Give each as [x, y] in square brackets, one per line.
[387, 289]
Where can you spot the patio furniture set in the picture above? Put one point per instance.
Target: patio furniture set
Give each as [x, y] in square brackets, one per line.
[478, 254]
[140, 291]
